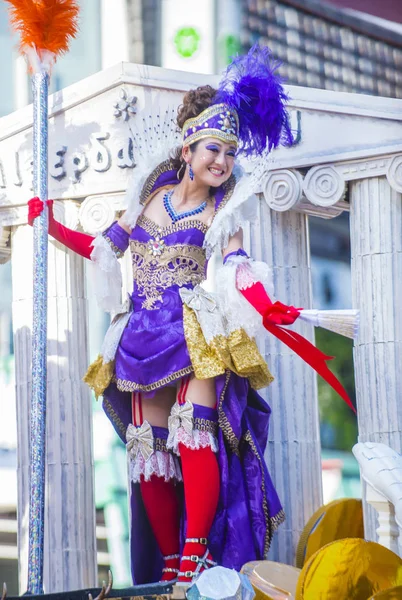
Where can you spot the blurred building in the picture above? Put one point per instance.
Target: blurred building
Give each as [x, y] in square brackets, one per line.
[386, 9]
[323, 46]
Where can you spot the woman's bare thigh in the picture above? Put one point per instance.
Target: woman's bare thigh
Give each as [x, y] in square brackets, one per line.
[200, 391]
[156, 410]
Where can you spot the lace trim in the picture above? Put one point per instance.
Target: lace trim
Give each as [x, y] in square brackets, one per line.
[154, 229]
[161, 464]
[195, 440]
[131, 386]
[251, 271]
[244, 277]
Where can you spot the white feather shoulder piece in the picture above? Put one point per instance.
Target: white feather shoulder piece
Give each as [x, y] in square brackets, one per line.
[242, 206]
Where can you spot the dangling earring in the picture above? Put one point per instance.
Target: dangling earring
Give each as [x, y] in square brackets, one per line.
[191, 172]
[180, 170]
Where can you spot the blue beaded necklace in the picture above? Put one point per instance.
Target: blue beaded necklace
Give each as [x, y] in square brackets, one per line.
[175, 216]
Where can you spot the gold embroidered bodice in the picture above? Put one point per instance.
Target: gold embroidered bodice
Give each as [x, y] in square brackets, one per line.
[158, 265]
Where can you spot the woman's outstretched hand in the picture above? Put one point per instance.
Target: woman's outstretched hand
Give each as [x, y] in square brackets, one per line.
[272, 313]
[281, 314]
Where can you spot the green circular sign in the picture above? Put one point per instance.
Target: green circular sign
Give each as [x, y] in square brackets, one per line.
[186, 41]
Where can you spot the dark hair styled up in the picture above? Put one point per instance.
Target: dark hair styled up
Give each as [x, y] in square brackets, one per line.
[194, 102]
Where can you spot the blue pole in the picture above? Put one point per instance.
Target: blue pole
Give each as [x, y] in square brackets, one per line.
[40, 85]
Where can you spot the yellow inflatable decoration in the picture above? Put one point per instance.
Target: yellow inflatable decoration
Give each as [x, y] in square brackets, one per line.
[334, 521]
[272, 581]
[349, 569]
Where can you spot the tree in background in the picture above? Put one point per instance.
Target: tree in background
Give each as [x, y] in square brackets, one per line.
[338, 422]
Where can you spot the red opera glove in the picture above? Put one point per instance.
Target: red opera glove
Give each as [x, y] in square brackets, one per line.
[274, 314]
[74, 240]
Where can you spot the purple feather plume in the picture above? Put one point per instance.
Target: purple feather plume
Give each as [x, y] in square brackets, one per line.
[252, 87]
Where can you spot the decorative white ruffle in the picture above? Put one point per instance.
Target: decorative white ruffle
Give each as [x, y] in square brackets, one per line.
[161, 464]
[238, 312]
[114, 333]
[107, 275]
[195, 440]
[242, 206]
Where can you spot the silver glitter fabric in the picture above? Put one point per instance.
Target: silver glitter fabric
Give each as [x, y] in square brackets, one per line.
[40, 83]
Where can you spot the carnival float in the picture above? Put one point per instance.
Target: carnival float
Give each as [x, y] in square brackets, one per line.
[86, 147]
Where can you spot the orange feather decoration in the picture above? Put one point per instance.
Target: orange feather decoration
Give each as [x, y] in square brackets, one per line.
[46, 25]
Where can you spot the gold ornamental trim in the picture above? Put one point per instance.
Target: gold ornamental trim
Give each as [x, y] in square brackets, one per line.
[154, 272]
[131, 386]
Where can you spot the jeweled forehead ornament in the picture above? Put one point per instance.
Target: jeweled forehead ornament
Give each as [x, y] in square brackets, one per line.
[218, 121]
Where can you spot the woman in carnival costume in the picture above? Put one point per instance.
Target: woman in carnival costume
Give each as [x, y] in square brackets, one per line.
[180, 370]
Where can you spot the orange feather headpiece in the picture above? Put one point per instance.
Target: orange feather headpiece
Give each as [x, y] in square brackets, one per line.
[47, 26]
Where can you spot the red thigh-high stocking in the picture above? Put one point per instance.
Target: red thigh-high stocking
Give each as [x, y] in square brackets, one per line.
[163, 510]
[201, 489]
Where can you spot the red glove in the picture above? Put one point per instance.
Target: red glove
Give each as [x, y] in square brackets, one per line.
[75, 240]
[273, 314]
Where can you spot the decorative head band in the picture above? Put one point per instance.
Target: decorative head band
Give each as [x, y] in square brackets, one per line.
[218, 121]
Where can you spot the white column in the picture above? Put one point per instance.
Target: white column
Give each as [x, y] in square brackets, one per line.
[376, 246]
[293, 452]
[70, 552]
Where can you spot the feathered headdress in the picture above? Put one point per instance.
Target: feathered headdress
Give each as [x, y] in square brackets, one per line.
[252, 87]
[45, 27]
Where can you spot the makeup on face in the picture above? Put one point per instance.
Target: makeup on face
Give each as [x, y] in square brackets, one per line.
[214, 147]
[213, 161]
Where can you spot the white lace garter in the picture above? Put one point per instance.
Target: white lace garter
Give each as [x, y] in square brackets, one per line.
[145, 461]
[182, 430]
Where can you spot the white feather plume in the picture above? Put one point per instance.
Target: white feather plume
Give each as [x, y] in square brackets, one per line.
[344, 322]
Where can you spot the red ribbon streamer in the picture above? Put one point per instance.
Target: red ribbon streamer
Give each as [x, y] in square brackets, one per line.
[278, 314]
[310, 354]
